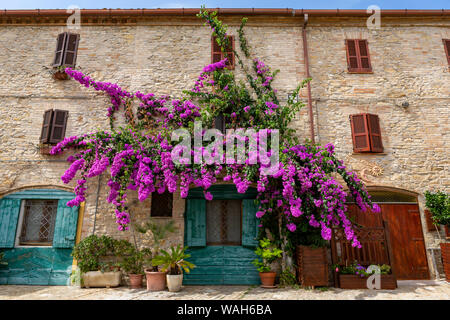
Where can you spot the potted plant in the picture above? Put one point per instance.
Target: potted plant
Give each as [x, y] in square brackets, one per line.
[439, 205]
[355, 276]
[156, 279]
[311, 255]
[133, 263]
[94, 270]
[59, 73]
[175, 263]
[268, 253]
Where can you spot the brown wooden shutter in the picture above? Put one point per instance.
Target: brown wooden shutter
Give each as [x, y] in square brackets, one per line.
[360, 133]
[71, 48]
[358, 58]
[46, 125]
[59, 52]
[59, 123]
[447, 49]
[373, 123]
[429, 220]
[217, 54]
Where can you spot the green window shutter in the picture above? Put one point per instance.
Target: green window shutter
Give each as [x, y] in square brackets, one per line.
[65, 225]
[250, 223]
[196, 223]
[9, 215]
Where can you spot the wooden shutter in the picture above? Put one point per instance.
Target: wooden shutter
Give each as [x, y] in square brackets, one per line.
[196, 222]
[59, 52]
[373, 122]
[65, 225]
[447, 49]
[360, 133]
[46, 126]
[217, 54]
[250, 223]
[9, 216]
[358, 58]
[71, 48]
[59, 123]
[429, 221]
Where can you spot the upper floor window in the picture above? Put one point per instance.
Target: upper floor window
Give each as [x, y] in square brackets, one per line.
[54, 126]
[217, 54]
[447, 49]
[358, 58]
[366, 133]
[162, 204]
[66, 50]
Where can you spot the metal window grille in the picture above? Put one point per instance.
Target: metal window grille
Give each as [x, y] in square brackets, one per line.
[223, 222]
[162, 204]
[38, 224]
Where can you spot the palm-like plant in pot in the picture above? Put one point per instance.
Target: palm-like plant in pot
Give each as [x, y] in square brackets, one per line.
[156, 279]
[174, 262]
[268, 253]
[439, 205]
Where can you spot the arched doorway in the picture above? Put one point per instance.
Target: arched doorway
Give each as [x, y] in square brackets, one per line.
[400, 216]
[221, 236]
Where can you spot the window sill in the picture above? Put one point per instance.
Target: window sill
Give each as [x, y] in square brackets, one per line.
[360, 72]
[370, 153]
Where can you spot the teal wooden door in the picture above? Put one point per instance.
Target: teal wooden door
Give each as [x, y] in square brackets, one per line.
[221, 264]
[37, 265]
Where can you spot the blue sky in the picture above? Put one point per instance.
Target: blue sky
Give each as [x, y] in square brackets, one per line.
[316, 4]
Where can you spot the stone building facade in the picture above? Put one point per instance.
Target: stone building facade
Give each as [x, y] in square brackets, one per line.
[163, 51]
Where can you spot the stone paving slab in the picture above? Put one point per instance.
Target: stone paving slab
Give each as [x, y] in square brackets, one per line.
[435, 290]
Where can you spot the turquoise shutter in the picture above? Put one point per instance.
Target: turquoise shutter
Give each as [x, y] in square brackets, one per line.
[65, 225]
[250, 223]
[9, 215]
[196, 223]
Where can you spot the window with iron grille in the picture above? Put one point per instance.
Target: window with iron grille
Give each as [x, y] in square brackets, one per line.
[162, 204]
[38, 222]
[224, 222]
[358, 57]
[217, 54]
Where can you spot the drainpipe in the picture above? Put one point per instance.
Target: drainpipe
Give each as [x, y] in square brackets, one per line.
[308, 85]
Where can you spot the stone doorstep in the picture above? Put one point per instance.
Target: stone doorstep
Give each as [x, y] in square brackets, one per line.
[420, 283]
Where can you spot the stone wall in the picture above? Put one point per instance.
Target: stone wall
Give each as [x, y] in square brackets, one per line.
[164, 55]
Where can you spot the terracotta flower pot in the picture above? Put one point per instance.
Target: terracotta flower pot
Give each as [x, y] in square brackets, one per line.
[60, 75]
[174, 282]
[445, 254]
[156, 281]
[135, 281]
[267, 278]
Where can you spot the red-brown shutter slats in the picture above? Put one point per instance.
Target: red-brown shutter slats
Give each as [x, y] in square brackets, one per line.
[358, 58]
[352, 56]
[429, 220]
[59, 52]
[447, 49]
[45, 132]
[58, 126]
[71, 48]
[376, 144]
[360, 133]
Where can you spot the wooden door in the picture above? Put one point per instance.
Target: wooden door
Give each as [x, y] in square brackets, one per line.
[408, 253]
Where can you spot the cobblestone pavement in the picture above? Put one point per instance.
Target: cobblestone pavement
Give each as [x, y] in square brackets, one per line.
[407, 290]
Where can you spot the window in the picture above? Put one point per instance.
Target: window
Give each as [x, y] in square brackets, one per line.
[162, 204]
[54, 126]
[358, 58]
[217, 54]
[447, 49]
[219, 123]
[366, 133]
[66, 50]
[223, 222]
[38, 222]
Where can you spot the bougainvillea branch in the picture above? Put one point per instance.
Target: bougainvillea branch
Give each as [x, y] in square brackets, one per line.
[139, 155]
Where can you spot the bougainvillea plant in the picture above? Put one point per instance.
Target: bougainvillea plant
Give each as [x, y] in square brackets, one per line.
[302, 188]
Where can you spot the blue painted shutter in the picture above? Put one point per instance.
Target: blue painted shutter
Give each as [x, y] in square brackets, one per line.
[9, 215]
[250, 223]
[65, 225]
[196, 223]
